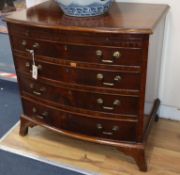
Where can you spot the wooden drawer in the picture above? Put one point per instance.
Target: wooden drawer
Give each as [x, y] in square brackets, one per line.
[78, 124]
[105, 103]
[104, 39]
[96, 77]
[81, 53]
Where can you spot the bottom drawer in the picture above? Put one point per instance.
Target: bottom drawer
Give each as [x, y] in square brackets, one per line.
[107, 129]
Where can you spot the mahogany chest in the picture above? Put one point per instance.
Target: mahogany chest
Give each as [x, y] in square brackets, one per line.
[94, 79]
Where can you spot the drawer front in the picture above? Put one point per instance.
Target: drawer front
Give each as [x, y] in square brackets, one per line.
[107, 129]
[94, 77]
[105, 103]
[107, 39]
[81, 53]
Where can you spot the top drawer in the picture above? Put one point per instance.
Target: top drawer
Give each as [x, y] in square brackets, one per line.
[81, 53]
[56, 35]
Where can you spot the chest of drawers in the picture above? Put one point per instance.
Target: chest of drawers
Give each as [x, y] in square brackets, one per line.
[96, 76]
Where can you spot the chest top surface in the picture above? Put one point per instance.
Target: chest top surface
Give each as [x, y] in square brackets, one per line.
[121, 18]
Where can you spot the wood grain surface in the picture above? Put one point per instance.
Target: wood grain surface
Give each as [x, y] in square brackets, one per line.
[122, 17]
[163, 151]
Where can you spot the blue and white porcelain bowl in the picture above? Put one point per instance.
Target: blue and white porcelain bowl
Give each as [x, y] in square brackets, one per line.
[84, 8]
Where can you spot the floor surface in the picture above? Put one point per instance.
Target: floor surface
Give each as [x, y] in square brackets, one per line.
[10, 105]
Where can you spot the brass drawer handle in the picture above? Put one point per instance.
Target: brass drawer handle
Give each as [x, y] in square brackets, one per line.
[44, 115]
[107, 61]
[37, 93]
[107, 133]
[100, 101]
[108, 108]
[116, 102]
[99, 126]
[99, 54]
[42, 89]
[100, 77]
[30, 50]
[108, 84]
[114, 129]
[24, 43]
[36, 45]
[40, 92]
[40, 116]
[117, 78]
[116, 55]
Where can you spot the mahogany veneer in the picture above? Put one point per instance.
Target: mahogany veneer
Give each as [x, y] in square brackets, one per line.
[96, 75]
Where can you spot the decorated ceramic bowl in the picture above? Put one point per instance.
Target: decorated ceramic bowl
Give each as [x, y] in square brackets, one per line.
[84, 8]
